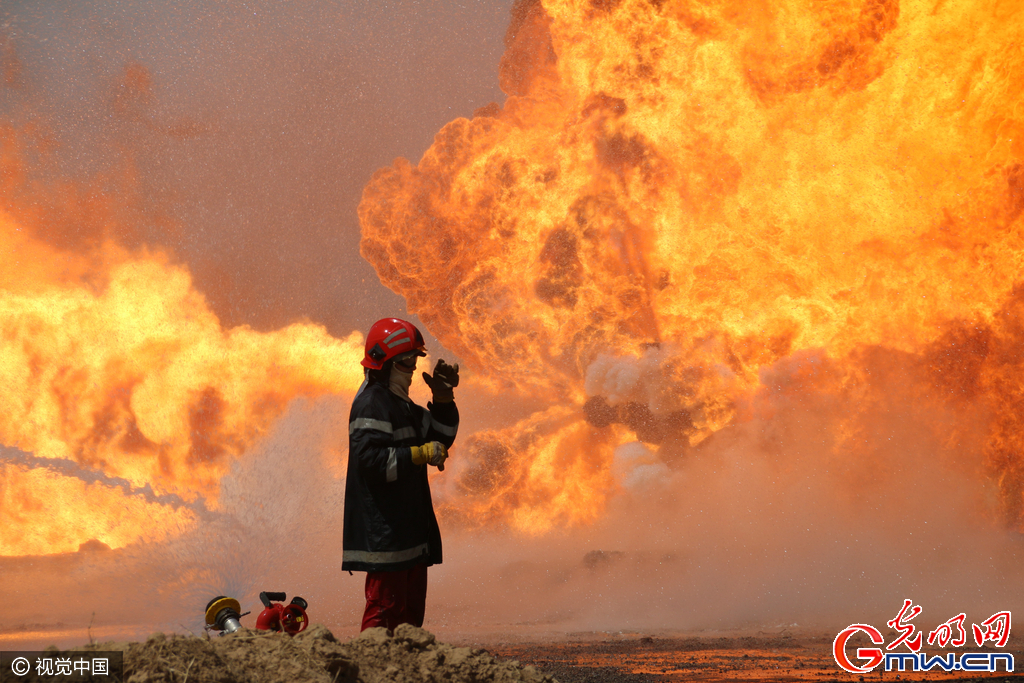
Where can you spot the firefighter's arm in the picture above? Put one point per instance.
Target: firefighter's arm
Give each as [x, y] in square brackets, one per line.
[442, 422]
[372, 445]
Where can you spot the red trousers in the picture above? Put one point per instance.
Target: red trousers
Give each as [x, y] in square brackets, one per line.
[394, 598]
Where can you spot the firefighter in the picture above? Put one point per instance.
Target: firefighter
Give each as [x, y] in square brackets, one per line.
[390, 531]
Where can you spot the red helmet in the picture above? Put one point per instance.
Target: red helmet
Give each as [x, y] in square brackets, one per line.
[388, 338]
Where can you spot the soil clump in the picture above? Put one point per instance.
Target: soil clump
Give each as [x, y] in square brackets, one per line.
[407, 655]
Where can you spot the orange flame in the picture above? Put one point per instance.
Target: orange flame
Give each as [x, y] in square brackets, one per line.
[698, 191]
[112, 360]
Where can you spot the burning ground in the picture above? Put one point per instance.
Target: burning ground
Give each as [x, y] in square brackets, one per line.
[737, 291]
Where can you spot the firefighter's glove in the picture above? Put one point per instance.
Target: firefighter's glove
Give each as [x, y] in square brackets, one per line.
[444, 379]
[433, 453]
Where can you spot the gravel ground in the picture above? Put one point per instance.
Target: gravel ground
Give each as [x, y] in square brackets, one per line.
[803, 658]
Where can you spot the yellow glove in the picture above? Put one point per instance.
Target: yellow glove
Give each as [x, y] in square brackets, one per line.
[433, 453]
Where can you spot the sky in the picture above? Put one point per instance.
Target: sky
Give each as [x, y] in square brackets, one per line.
[247, 130]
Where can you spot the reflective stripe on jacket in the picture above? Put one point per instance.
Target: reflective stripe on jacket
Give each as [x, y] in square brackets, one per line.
[389, 517]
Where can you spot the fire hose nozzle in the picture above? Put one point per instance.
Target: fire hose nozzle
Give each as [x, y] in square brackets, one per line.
[223, 614]
[290, 618]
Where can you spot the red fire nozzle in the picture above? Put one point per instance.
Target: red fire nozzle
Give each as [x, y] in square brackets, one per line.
[290, 618]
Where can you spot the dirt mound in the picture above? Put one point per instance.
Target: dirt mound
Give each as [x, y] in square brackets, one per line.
[409, 655]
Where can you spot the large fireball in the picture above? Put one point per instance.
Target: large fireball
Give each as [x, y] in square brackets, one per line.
[678, 196]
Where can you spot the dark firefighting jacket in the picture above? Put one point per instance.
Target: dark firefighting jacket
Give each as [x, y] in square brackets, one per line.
[389, 516]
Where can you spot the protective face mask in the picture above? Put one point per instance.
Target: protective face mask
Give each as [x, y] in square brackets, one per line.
[400, 382]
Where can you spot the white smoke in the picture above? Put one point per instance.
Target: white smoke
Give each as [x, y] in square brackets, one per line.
[638, 467]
